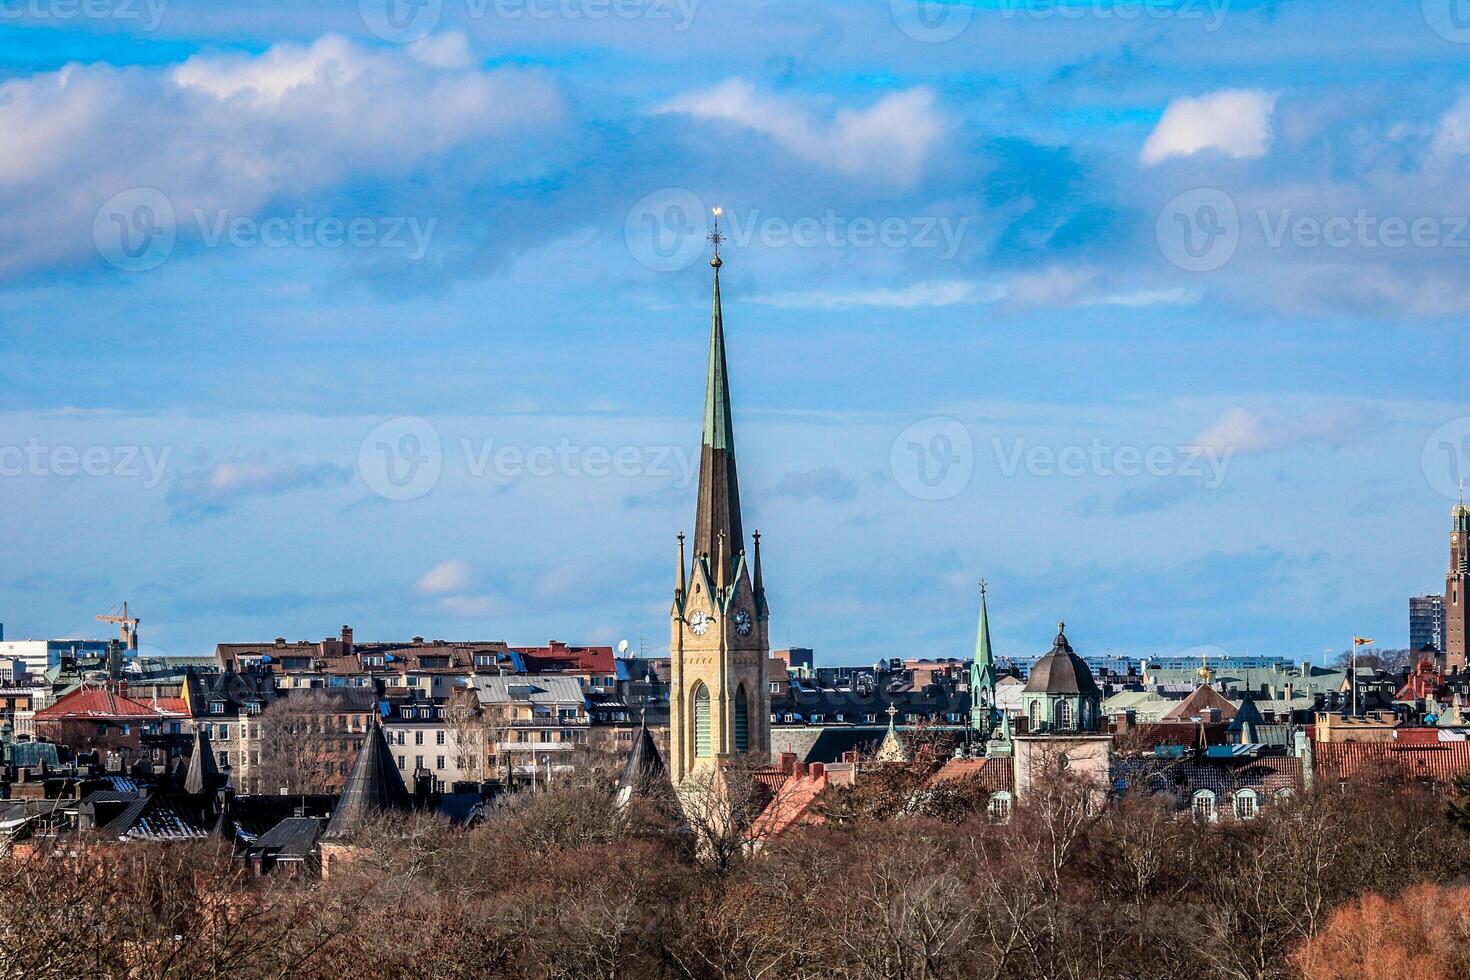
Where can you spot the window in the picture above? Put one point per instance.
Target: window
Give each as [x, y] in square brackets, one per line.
[216, 707]
[742, 722]
[418, 738]
[223, 733]
[1245, 805]
[1202, 806]
[224, 758]
[438, 762]
[418, 762]
[400, 762]
[701, 723]
[999, 807]
[1035, 713]
[1064, 715]
[439, 737]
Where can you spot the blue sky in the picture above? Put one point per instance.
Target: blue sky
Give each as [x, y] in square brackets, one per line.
[1151, 314]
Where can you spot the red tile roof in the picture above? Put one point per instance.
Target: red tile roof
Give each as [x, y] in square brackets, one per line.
[558, 656]
[88, 703]
[995, 775]
[1439, 761]
[1200, 700]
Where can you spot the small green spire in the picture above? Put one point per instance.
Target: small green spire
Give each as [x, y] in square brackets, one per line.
[982, 674]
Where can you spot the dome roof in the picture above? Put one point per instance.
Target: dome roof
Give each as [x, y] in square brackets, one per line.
[1061, 671]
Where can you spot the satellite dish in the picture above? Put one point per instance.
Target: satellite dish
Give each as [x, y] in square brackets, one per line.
[623, 647]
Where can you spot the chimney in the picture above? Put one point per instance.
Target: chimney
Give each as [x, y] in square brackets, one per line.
[347, 639]
[280, 641]
[788, 762]
[817, 770]
[799, 770]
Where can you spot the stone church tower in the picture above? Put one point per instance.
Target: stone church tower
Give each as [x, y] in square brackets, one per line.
[1456, 583]
[719, 701]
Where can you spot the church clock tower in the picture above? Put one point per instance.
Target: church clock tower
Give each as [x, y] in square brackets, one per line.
[1457, 581]
[719, 701]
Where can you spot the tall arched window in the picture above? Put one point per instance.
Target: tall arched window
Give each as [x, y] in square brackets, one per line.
[1245, 804]
[1036, 715]
[742, 722]
[1064, 715]
[701, 722]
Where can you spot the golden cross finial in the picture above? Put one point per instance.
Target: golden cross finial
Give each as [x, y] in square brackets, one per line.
[983, 585]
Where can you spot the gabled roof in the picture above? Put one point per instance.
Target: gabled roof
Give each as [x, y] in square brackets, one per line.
[293, 839]
[1200, 700]
[374, 787]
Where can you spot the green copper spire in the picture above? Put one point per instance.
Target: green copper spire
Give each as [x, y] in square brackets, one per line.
[982, 675]
[717, 516]
[718, 431]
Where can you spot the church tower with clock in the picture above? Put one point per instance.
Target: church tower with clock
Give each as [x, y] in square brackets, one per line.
[719, 699]
[1456, 585]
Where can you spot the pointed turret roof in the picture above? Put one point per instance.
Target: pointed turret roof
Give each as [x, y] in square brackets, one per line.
[645, 766]
[984, 656]
[718, 510]
[373, 787]
[1246, 724]
[203, 775]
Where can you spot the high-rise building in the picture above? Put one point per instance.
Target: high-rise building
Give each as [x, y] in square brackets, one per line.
[1456, 584]
[719, 699]
[1426, 622]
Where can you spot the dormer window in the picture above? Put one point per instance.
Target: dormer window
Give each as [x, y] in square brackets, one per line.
[216, 707]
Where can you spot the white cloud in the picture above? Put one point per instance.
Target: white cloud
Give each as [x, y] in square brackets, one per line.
[906, 297]
[1248, 430]
[447, 576]
[1236, 122]
[217, 489]
[448, 50]
[1452, 138]
[890, 139]
[239, 133]
[471, 606]
[1056, 286]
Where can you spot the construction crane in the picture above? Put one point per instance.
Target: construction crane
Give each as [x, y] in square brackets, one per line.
[128, 624]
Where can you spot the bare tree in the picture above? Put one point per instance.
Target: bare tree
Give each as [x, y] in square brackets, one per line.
[297, 753]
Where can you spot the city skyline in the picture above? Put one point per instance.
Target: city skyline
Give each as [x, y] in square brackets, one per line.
[972, 244]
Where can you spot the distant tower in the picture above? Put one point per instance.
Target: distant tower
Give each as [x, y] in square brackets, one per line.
[982, 677]
[1456, 584]
[719, 698]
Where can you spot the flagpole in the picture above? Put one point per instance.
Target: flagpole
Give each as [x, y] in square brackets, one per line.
[1353, 675]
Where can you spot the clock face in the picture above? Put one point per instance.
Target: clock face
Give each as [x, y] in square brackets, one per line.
[742, 623]
[699, 623]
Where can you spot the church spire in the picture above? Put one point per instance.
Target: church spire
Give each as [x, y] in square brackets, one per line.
[719, 492]
[982, 674]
